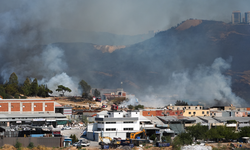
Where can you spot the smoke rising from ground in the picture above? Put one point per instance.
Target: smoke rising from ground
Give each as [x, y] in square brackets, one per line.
[22, 35]
[206, 85]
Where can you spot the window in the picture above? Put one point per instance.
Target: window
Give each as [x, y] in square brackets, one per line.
[148, 113]
[106, 116]
[188, 107]
[210, 114]
[194, 113]
[0, 105]
[34, 105]
[110, 129]
[99, 129]
[207, 112]
[100, 122]
[202, 112]
[110, 122]
[23, 106]
[126, 129]
[195, 107]
[128, 122]
[176, 113]
[189, 112]
[180, 112]
[177, 108]
[162, 113]
[200, 107]
[214, 113]
[167, 113]
[172, 107]
[45, 105]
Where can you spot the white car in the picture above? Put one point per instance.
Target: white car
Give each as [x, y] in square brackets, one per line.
[83, 144]
[75, 144]
[67, 128]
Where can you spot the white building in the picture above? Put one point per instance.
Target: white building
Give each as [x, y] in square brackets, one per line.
[114, 124]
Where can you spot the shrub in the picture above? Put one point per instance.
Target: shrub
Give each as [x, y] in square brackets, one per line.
[31, 145]
[18, 145]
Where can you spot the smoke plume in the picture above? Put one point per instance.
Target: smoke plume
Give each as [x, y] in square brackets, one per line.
[206, 85]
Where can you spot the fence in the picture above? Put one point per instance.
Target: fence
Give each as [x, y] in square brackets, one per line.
[45, 141]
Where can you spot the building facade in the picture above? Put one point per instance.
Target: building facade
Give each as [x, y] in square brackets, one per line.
[27, 106]
[114, 124]
[236, 17]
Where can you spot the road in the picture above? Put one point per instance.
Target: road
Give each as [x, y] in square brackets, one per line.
[78, 132]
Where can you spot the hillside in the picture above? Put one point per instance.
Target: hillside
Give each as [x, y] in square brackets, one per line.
[198, 60]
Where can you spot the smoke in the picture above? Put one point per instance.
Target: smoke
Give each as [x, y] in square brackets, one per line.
[65, 80]
[206, 85]
[131, 101]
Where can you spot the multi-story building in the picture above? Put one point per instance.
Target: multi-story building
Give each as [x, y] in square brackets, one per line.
[194, 112]
[185, 107]
[236, 17]
[29, 111]
[114, 124]
[247, 17]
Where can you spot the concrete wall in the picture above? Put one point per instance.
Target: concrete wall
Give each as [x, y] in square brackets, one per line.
[189, 113]
[46, 141]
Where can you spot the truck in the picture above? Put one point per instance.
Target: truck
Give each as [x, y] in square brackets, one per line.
[98, 99]
[114, 107]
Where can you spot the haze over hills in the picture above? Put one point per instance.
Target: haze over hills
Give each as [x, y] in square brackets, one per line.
[194, 61]
[99, 38]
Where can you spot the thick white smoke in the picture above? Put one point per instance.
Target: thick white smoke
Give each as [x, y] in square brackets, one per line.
[53, 61]
[204, 85]
[65, 80]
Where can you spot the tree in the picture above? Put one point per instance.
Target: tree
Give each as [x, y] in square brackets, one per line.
[181, 103]
[97, 93]
[130, 107]
[13, 79]
[197, 131]
[63, 89]
[44, 91]
[139, 107]
[245, 132]
[85, 87]
[26, 88]
[34, 87]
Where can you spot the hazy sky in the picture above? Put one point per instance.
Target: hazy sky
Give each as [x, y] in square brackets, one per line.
[124, 16]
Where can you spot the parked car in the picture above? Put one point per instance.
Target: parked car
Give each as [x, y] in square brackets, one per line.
[75, 144]
[83, 144]
[66, 128]
[104, 106]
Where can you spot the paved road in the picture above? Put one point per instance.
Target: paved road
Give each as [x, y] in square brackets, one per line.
[78, 132]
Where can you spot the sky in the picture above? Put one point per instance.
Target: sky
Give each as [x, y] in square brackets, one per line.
[126, 17]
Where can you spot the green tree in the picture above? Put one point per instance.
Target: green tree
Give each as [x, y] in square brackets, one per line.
[34, 87]
[245, 132]
[130, 107]
[26, 88]
[166, 139]
[97, 93]
[182, 139]
[181, 103]
[13, 79]
[85, 88]
[139, 107]
[197, 131]
[44, 91]
[63, 89]
[11, 89]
